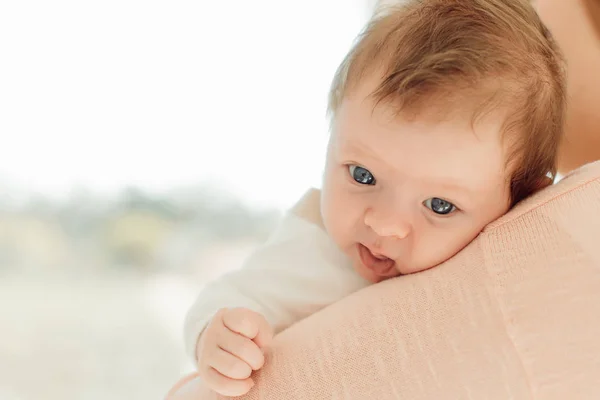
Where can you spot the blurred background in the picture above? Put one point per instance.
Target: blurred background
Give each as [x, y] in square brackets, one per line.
[147, 147]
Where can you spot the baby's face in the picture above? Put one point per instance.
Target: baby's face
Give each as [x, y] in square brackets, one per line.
[401, 196]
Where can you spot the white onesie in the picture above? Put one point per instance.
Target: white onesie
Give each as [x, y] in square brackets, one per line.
[297, 272]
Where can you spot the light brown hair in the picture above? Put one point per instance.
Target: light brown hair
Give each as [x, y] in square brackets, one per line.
[486, 54]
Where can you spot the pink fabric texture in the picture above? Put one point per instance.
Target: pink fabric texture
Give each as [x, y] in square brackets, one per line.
[515, 315]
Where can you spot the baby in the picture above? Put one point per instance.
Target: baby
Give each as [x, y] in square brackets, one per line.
[444, 114]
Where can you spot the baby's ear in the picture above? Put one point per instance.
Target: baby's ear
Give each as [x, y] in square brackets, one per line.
[544, 182]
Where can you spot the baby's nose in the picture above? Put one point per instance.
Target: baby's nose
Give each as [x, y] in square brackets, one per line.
[388, 224]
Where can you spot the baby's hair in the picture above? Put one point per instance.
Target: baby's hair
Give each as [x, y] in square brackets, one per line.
[489, 55]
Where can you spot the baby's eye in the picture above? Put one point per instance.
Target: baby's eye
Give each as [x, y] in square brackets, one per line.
[439, 206]
[361, 175]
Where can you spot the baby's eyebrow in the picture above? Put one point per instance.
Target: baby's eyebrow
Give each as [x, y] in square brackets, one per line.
[348, 146]
[450, 184]
[362, 151]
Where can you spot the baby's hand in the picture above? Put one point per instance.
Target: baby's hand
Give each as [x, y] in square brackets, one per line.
[230, 348]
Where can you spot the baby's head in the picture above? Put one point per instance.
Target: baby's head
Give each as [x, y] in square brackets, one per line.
[444, 115]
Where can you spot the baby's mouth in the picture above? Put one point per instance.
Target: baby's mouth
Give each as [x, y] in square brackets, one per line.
[380, 265]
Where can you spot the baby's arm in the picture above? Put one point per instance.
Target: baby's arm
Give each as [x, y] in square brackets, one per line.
[296, 273]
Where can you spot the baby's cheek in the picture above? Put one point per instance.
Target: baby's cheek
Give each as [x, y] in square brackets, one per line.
[331, 220]
[338, 210]
[341, 227]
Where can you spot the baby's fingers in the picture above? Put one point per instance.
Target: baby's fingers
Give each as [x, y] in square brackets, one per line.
[226, 386]
[229, 365]
[249, 324]
[242, 348]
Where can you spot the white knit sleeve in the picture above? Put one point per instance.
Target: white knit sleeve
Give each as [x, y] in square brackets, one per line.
[297, 272]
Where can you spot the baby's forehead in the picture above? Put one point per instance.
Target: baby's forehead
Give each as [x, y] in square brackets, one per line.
[473, 100]
[469, 111]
